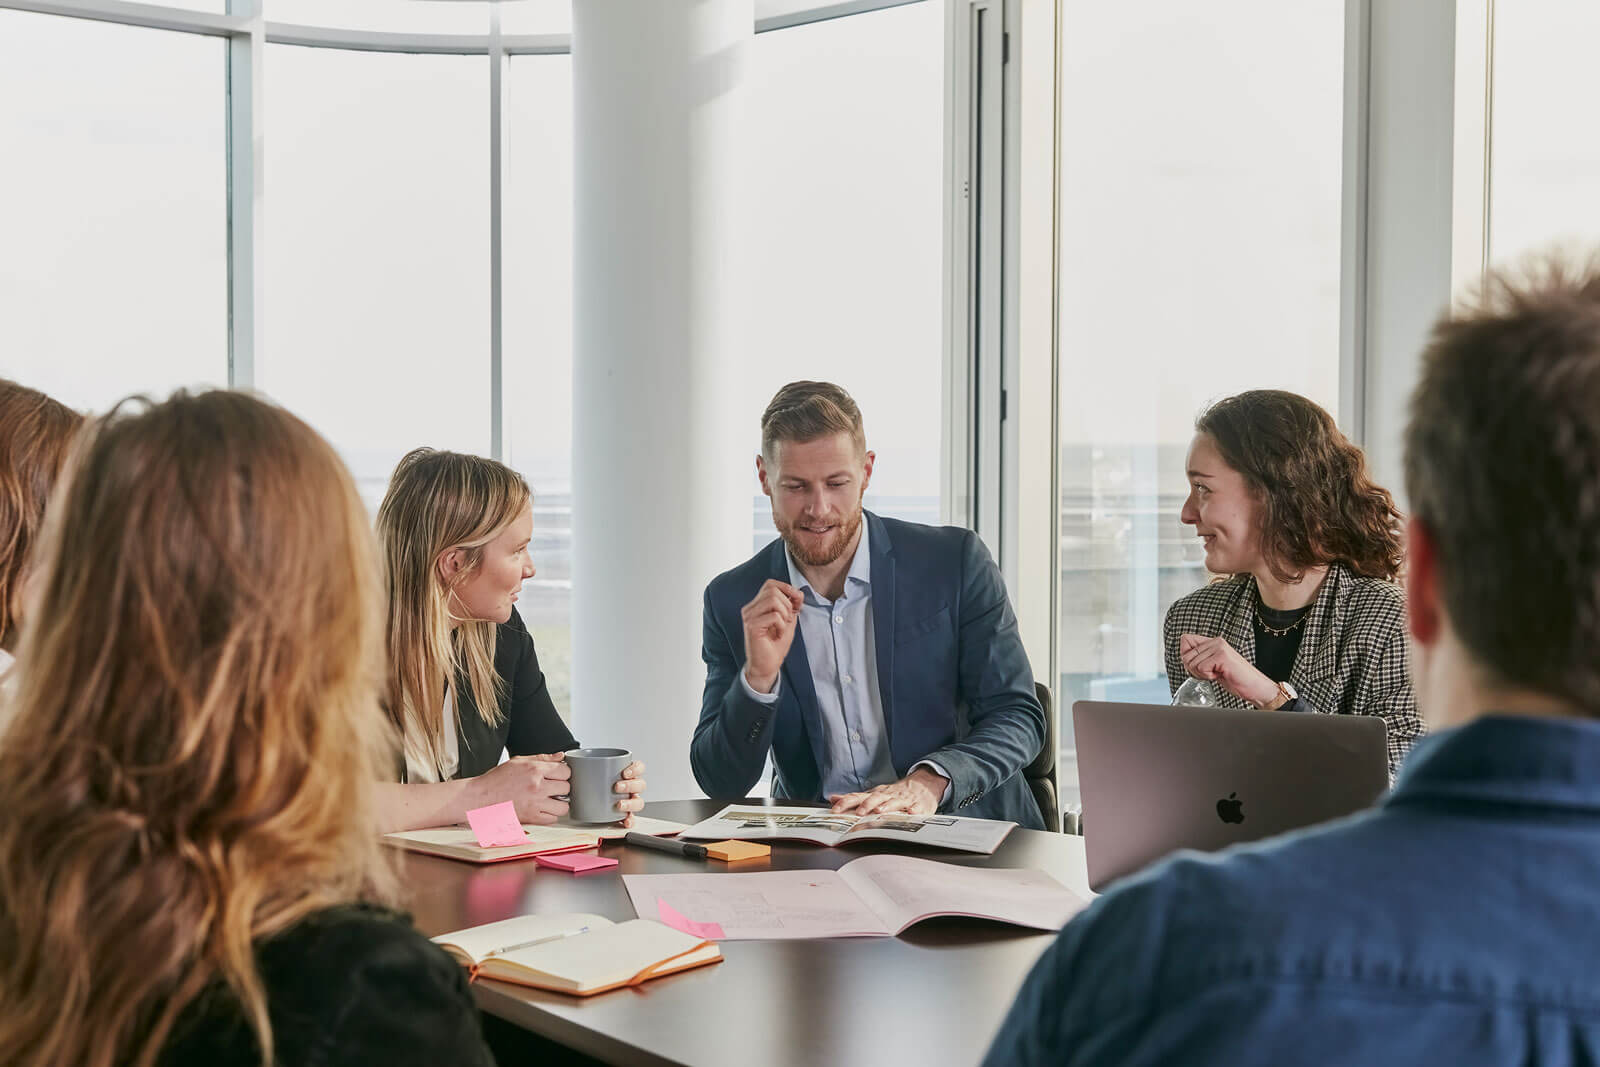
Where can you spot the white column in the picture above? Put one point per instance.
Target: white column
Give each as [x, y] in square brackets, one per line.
[663, 458]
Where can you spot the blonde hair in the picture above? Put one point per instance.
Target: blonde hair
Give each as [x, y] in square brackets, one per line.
[35, 433]
[805, 411]
[189, 763]
[439, 501]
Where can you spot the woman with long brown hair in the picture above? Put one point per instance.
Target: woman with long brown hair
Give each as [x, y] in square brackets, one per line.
[465, 684]
[35, 433]
[1310, 617]
[188, 868]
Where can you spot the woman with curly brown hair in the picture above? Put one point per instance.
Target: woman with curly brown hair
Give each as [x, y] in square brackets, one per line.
[1310, 617]
[188, 868]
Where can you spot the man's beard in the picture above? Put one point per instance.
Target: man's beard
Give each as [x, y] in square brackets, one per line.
[827, 552]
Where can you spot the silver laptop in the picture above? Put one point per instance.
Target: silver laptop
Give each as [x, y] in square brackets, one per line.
[1156, 778]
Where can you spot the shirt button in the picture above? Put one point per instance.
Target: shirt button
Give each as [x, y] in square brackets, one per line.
[838, 618]
[855, 735]
[847, 679]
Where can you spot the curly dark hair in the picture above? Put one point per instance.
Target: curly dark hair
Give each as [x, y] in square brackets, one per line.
[1316, 504]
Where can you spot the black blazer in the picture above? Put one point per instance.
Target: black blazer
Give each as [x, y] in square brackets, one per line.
[529, 724]
[349, 985]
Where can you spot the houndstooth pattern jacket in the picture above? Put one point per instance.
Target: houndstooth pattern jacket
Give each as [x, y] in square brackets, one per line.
[1352, 658]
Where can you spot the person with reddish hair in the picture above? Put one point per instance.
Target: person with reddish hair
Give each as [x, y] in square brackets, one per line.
[35, 435]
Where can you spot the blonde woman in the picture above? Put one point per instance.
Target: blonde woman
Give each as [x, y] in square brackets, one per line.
[186, 780]
[465, 681]
[35, 432]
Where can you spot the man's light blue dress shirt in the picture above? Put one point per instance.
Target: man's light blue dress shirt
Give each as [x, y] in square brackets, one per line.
[840, 647]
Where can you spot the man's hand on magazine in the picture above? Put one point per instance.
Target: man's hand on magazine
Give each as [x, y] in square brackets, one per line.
[918, 793]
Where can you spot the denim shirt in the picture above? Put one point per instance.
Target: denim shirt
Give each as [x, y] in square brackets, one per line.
[1457, 923]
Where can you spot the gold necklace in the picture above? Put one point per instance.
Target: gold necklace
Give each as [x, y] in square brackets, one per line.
[1285, 631]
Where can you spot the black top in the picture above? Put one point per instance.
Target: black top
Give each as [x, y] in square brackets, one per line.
[349, 985]
[529, 725]
[1275, 653]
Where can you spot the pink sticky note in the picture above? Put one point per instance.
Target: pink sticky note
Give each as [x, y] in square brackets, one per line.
[497, 825]
[576, 862]
[678, 921]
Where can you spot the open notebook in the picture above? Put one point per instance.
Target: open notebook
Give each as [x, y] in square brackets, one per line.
[459, 842]
[576, 953]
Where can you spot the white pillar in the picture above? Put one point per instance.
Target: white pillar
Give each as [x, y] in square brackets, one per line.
[663, 459]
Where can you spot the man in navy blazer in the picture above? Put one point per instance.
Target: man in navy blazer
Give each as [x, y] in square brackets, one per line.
[877, 661]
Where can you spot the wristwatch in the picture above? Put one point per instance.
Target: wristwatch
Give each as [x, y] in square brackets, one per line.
[1286, 693]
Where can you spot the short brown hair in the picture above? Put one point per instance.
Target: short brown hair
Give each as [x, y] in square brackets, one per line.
[805, 411]
[35, 435]
[1316, 503]
[1503, 468]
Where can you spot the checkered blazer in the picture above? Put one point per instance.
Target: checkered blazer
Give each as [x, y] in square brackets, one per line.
[1352, 658]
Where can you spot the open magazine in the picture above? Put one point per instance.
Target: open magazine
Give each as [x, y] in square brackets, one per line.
[875, 896]
[744, 822]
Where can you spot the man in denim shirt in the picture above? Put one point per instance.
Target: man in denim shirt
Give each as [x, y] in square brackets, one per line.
[1458, 922]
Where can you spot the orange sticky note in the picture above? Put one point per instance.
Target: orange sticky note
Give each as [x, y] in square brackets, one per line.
[733, 851]
[497, 825]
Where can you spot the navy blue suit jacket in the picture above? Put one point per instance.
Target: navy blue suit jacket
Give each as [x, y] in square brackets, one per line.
[954, 680]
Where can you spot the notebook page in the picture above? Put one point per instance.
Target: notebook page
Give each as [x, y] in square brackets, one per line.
[605, 956]
[479, 942]
[904, 890]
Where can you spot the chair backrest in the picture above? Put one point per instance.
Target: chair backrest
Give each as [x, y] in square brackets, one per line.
[1041, 773]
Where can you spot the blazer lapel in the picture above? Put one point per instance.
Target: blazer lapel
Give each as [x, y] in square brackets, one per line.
[1316, 665]
[797, 669]
[883, 606]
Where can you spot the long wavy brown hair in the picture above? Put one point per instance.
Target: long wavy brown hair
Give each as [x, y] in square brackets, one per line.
[189, 762]
[35, 433]
[438, 501]
[1315, 502]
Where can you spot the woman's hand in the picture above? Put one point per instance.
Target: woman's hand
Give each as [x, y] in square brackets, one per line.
[1212, 659]
[532, 783]
[631, 786]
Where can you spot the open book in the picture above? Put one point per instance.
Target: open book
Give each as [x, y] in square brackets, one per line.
[577, 954]
[875, 896]
[742, 822]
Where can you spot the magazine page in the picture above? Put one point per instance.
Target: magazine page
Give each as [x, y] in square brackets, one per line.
[904, 890]
[748, 822]
[939, 831]
[757, 906]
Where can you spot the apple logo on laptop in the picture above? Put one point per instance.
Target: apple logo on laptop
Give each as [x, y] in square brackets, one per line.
[1231, 810]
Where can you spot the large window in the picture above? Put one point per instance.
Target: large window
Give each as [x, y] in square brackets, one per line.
[1545, 166]
[537, 359]
[377, 251]
[113, 219]
[1199, 163]
[841, 237]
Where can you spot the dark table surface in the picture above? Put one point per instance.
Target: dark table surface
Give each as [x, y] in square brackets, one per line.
[934, 995]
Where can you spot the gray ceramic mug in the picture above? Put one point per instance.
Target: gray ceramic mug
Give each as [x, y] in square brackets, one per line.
[591, 796]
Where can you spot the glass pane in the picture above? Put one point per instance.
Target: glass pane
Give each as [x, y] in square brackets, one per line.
[537, 364]
[113, 215]
[1545, 168]
[536, 16]
[386, 16]
[843, 236]
[377, 251]
[1199, 163]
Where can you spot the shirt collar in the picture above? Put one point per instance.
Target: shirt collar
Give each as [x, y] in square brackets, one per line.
[860, 567]
[1506, 759]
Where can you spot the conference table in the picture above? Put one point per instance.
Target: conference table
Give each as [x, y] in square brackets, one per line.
[934, 995]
